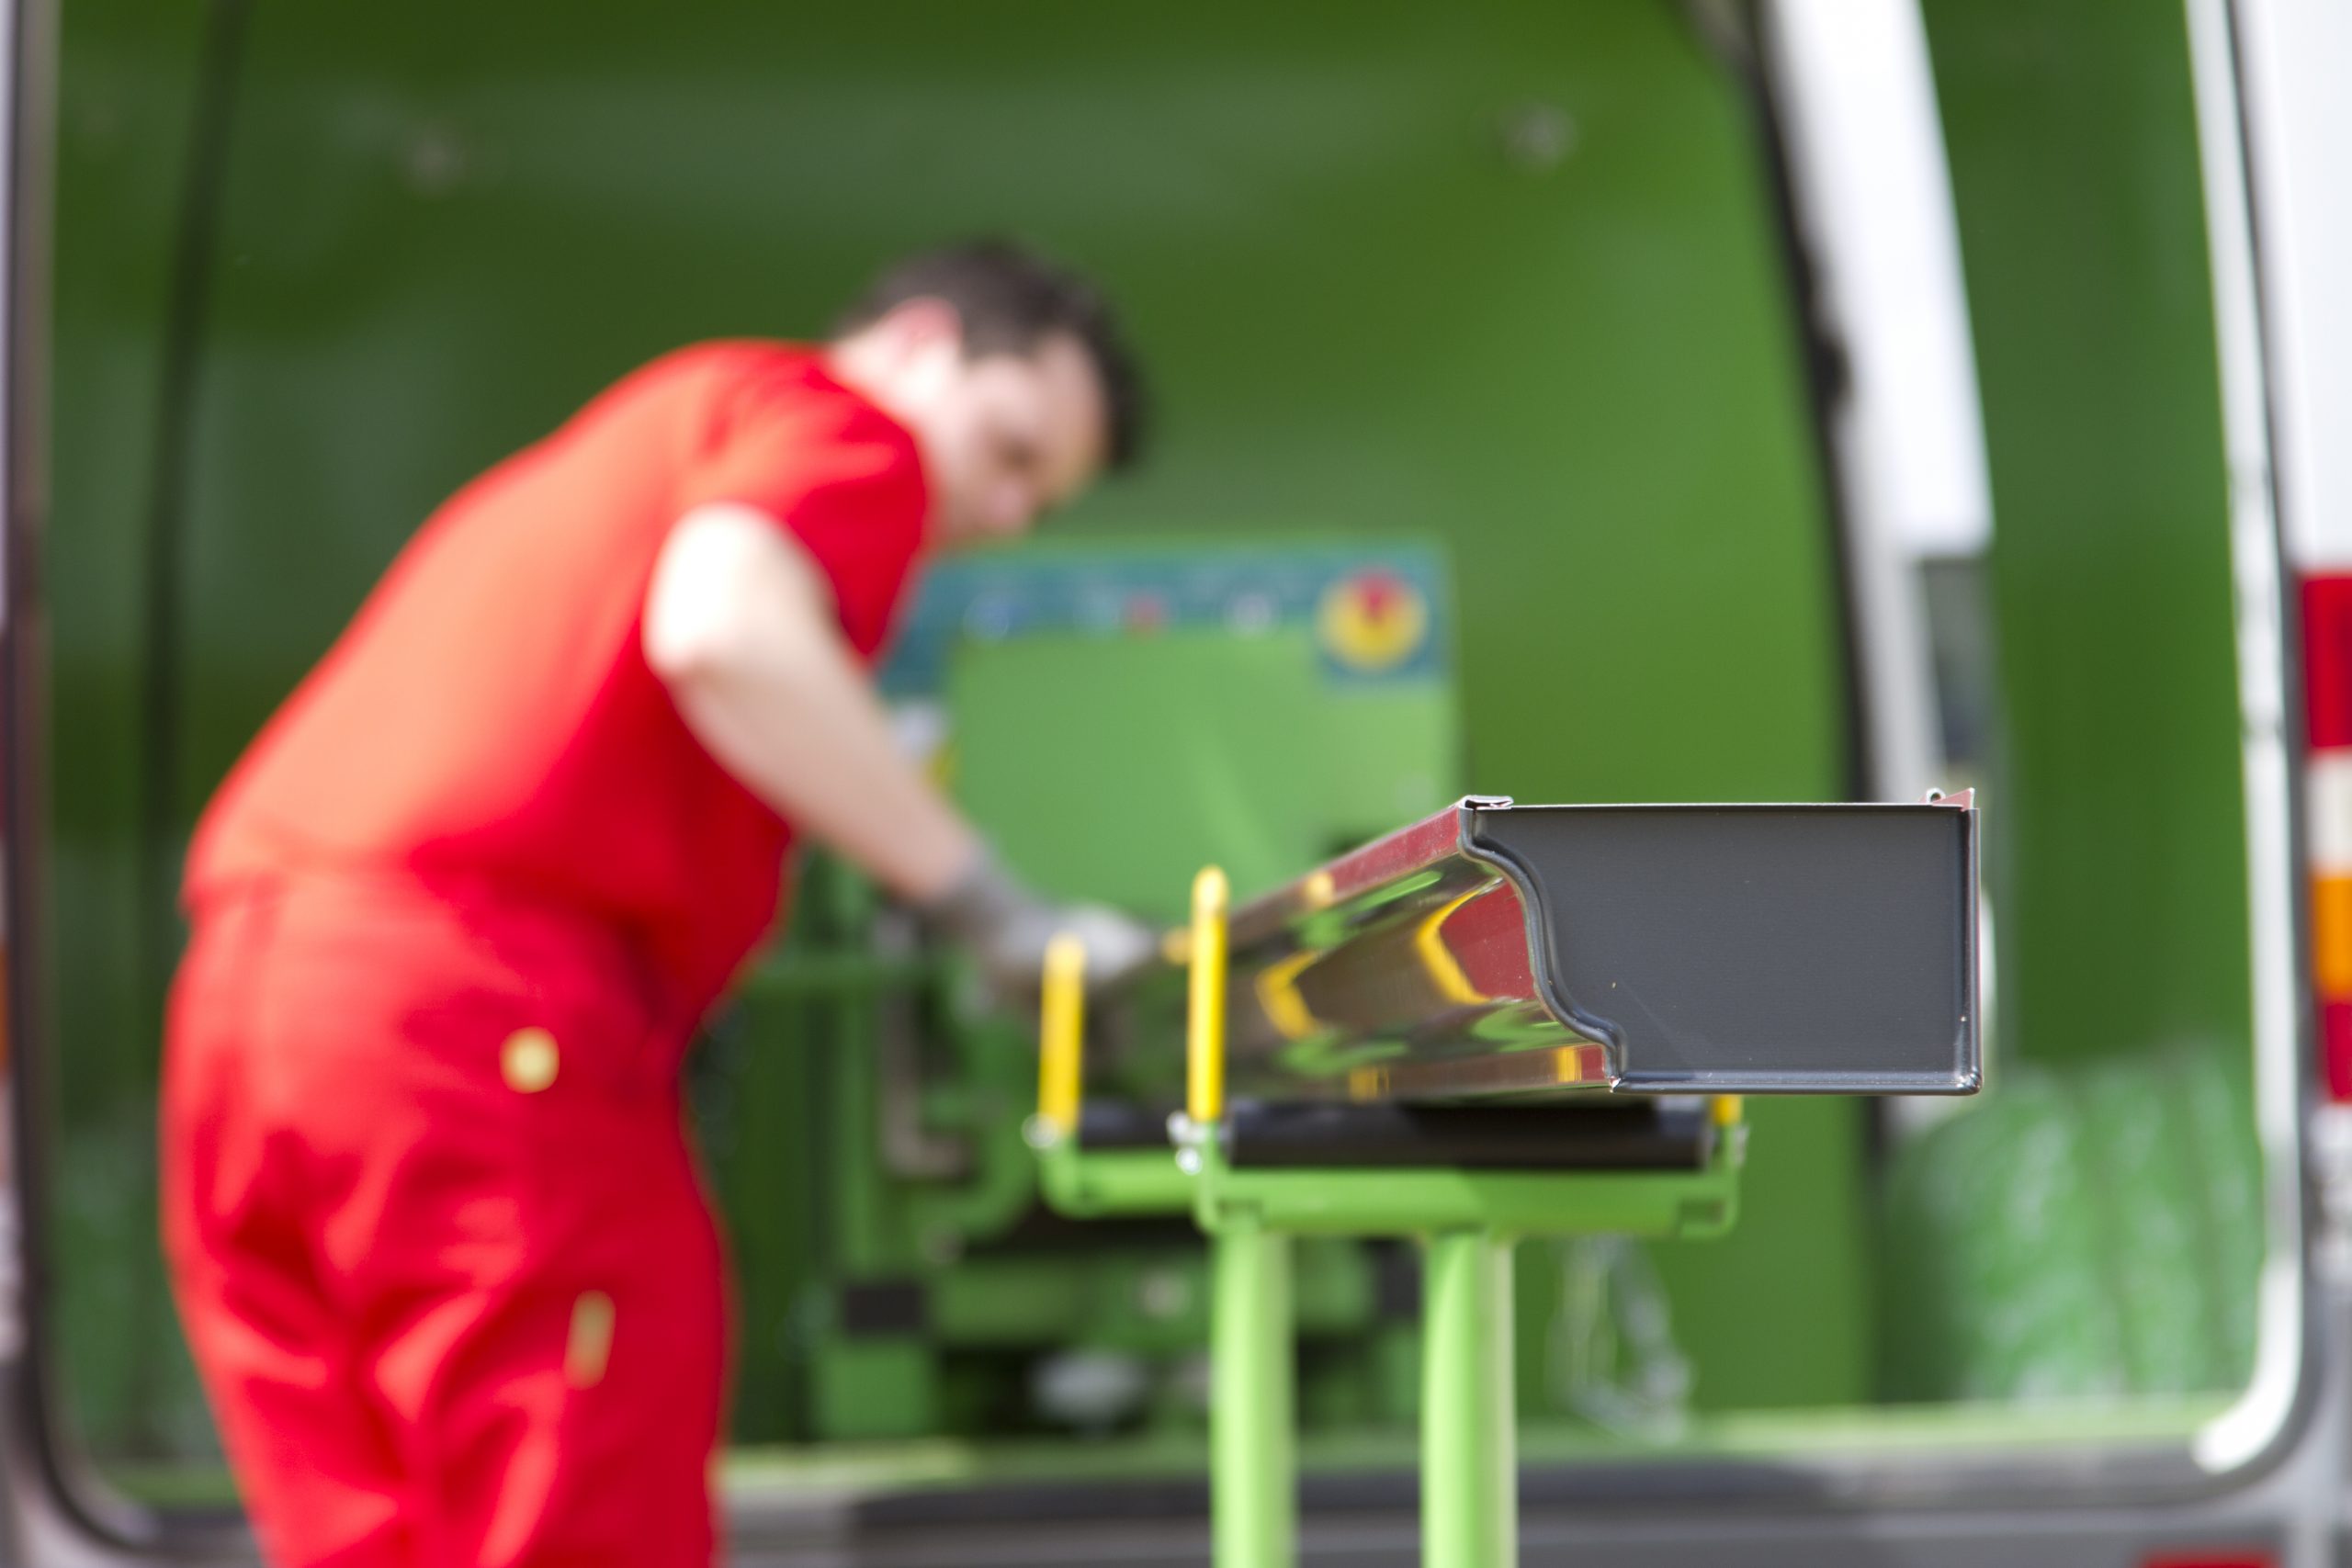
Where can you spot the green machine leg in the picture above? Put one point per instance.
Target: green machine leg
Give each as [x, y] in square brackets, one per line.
[1469, 1445]
[1254, 1467]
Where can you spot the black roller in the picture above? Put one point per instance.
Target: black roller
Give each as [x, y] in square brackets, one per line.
[1635, 1136]
[1105, 1125]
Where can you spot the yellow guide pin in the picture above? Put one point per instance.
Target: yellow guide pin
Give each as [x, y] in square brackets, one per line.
[1061, 1034]
[1205, 1033]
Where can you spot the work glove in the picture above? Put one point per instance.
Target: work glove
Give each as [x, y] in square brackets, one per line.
[1005, 926]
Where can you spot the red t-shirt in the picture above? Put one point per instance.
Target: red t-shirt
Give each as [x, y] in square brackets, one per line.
[489, 718]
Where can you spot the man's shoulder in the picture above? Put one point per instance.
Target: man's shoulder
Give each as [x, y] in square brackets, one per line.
[757, 380]
[772, 425]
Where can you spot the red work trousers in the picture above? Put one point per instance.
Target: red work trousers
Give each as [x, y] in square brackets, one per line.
[439, 1238]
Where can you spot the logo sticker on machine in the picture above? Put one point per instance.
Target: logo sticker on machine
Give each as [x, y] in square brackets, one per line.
[1373, 611]
[1373, 620]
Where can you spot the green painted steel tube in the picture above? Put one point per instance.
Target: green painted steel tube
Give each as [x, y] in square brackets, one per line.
[1469, 1444]
[1252, 1465]
[1111, 1182]
[1685, 1203]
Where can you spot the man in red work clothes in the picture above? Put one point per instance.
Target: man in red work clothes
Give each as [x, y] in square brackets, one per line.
[437, 1233]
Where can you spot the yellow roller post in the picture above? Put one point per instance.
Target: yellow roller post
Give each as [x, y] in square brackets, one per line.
[1061, 1035]
[1204, 1035]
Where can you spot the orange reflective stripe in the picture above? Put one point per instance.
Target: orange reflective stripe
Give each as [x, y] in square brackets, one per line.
[2332, 935]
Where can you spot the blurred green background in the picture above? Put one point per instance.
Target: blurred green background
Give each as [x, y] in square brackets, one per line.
[1504, 275]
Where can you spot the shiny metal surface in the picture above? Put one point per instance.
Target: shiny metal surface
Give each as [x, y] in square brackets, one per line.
[1400, 970]
[1493, 949]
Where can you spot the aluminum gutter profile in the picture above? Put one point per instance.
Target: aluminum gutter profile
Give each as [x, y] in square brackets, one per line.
[1534, 950]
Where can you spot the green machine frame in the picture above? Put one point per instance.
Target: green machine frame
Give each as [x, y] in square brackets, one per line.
[1847, 936]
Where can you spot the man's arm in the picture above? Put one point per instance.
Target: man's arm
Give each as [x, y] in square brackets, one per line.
[739, 625]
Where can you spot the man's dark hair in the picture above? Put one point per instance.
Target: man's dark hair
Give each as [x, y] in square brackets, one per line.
[1010, 300]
